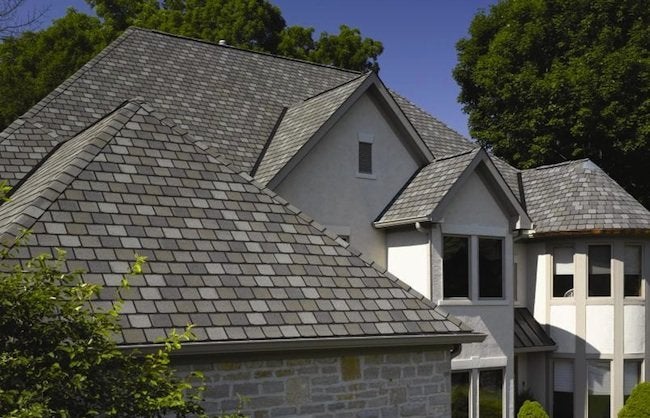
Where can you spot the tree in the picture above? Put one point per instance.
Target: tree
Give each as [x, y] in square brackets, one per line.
[34, 63]
[638, 404]
[532, 409]
[58, 356]
[548, 80]
[10, 19]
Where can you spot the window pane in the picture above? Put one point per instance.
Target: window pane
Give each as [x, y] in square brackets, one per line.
[490, 266]
[599, 270]
[490, 397]
[632, 373]
[563, 389]
[460, 394]
[599, 389]
[365, 158]
[455, 267]
[563, 272]
[632, 267]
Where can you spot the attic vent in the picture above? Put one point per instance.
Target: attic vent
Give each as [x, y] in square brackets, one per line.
[365, 154]
[223, 42]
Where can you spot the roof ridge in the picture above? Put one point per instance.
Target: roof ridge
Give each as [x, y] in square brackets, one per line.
[460, 154]
[268, 54]
[560, 164]
[60, 180]
[364, 75]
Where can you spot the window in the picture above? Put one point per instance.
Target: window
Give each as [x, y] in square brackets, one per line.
[365, 157]
[490, 266]
[455, 267]
[600, 270]
[563, 272]
[460, 394]
[563, 389]
[490, 394]
[632, 268]
[598, 384]
[632, 376]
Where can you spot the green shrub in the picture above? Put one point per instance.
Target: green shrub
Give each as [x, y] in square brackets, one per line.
[532, 409]
[638, 404]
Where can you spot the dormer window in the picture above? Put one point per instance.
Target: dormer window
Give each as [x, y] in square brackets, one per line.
[365, 167]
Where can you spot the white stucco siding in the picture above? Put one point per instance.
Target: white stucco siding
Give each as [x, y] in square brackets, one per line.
[409, 259]
[563, 327]
[326, 186]
[475, 208]
[634, 329]
[600, 329]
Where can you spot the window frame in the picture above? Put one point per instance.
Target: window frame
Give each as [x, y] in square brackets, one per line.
[369, 139]
[503, 268]
[641, 294]
[554, 267]
[611, 271]
[468, 239]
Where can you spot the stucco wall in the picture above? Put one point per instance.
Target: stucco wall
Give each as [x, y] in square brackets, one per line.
[382, 384]
[325, 183]
[409, 257]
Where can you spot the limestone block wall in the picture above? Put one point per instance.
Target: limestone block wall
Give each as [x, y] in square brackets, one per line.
[362, 383]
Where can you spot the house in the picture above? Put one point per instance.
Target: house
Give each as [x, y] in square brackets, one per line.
[341, 252]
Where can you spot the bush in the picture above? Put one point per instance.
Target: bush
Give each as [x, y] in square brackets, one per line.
[532, 409]
[638, 404]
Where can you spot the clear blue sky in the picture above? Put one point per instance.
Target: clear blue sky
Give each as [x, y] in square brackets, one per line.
[419, 38]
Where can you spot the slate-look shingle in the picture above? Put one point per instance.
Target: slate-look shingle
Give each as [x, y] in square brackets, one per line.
[579, 196]
[299, 124]
[224, 254]
[423, 193]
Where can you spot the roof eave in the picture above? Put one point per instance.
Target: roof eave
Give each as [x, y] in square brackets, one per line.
[311, 344]
[400, 222]
[536, 349]
[643, 232]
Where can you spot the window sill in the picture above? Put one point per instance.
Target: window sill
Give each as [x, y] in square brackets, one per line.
[469, 302]
[366, 176]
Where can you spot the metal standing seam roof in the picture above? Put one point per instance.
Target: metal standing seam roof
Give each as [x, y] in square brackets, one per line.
[578, 196]
[299, 124]
[224, 253]
[529, 334]
[427, 189]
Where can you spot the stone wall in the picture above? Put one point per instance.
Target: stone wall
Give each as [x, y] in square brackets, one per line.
[381, 384]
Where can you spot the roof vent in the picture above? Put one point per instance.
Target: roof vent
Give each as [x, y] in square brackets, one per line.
[223, 42]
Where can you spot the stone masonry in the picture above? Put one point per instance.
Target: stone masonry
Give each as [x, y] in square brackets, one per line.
[375, 384]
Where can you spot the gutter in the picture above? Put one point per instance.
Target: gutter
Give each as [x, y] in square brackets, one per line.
[537, 349]
[401, 222]
[307, 344]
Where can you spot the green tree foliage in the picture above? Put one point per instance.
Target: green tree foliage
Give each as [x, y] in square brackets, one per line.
[34, 63]
[548, 80]
[58, 356]
[638, 404]
[532, 409]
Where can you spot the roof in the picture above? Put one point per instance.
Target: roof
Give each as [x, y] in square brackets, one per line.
[227, 97]
[427, 193]
[299, 124]
[426, 190]
[529, 334]
[578, 196]
[223, 253]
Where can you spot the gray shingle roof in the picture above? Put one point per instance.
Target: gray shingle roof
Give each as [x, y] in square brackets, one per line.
[227, 97]
[299, 124]
[578, 196]
[441, 140]
[429, 186]
[529, 334]
[224, 254]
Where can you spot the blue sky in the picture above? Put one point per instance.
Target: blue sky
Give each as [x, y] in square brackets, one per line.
[419, 38]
